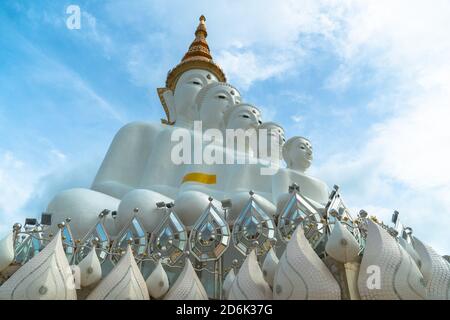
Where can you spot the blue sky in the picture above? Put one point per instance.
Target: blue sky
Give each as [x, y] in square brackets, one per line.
[368, 82]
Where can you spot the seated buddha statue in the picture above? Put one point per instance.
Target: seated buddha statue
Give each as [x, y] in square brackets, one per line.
[242, 120]
[133, 149]
[164, 175]
[270, 148]
[204, 175]
[298, 155]
[257, 176]
[138, 144]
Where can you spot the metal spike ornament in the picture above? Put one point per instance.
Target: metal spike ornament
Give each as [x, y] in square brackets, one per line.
[210, 236]
[97, 238]
[337, 210]
[253, 228]
[68, 240]
[299, 210]
[132, 234]
[169, 240]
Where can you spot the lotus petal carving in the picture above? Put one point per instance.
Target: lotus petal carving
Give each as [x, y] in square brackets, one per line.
[301, 275]
[188, 286]
[249, 283]
[47, 276]
[124, 282]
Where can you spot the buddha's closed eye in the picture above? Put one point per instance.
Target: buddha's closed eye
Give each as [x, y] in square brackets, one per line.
[197, 83]
[221, 96]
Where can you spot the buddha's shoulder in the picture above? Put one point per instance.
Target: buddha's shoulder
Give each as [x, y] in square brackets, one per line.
[141, 126]
[146, 132]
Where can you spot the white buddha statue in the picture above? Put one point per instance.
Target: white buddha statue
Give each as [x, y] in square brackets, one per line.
[137, 148]
[242, 116]
[198, 181]
[229, 112]
[195, 71]
[213, 101]
[272, 150]
[161, 174]
[244, 119]
[214, 179]
[251, 176]
[257, 176]
[298, 154]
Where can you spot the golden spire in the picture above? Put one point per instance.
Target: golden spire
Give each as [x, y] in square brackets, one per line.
[199, 47]
[198, 56]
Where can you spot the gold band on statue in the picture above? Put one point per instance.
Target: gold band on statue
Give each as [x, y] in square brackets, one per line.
[200, 178]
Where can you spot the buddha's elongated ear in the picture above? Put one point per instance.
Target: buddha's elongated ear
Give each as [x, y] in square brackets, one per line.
[196, 109]
[167, 101]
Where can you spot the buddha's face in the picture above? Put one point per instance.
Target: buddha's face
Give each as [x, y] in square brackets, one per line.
[214, 104]
[300, 154]
[244, 116]
[275, 133]
[186, 90]
[275, 139]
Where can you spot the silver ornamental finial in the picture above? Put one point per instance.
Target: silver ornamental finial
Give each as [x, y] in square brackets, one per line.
[157, 255]
[363, 213]
[334, 213]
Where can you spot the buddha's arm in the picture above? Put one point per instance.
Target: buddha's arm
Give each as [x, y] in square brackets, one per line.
[310, 187]
[125, 159]
[280, 184]
[112, 188]
[160, 171]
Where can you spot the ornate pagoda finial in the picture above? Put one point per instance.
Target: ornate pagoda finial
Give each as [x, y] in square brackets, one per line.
[199, 47]
[198, 56]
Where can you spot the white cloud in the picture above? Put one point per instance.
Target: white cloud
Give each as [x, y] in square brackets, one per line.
[340, 79]
[411, 144]
[404, 163]
[141, 65]
[27, 188]
[297, 118]
[268, 112]
[244, 68]
[252, 40]
[17, 182]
